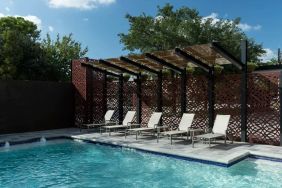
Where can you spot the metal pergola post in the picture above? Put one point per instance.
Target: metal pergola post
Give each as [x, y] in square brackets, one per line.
[139, 99]
[160, 92]
[105, 92]
[244, 90]
[280, 105]
[211, 84]
[183, 91]
[120, 99]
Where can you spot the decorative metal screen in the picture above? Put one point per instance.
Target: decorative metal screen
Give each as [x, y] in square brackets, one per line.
[112, 98]
[227, 101]
[197, 100]
[171, 102]
[263, 108]
[98, 97]
[149, 99]
[129, 97]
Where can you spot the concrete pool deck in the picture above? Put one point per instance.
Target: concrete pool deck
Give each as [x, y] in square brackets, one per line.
[222, 154]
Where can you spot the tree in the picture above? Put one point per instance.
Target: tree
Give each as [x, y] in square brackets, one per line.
[19, 48]
[184, 27]
[59, 53]
[23, 56]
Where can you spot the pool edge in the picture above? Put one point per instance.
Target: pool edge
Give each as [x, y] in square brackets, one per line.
[186, 158]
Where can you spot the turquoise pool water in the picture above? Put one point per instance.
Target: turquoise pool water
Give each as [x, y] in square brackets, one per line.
[76, 164]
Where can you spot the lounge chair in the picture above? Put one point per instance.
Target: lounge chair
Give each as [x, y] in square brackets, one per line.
[151, 126]
[184, 127]
[218, 131]
[127, 121]
[107, 120]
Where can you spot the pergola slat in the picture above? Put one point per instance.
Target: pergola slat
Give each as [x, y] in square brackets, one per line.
[107, 63]
[127, 60]
[192, 59]
[163, 62]
[99, 69]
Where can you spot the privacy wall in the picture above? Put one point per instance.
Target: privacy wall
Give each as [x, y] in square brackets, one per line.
[35, 105]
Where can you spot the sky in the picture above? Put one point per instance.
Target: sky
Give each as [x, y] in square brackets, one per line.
[97, 23]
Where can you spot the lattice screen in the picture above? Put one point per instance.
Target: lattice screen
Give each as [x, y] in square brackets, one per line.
[98, 95]
[112, 98]
[171, 102]
[129, 97]
[197, 100]
[263, 112]
[149, 99]
[227, 101]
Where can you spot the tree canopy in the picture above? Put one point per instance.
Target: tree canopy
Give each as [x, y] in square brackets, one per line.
[23, 56]
[184, 27]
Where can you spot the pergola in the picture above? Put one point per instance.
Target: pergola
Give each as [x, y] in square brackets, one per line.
[204, 56]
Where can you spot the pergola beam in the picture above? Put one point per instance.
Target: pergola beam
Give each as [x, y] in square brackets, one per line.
[192, 59]
[109, 64]
[227, 55]
[138, 65]
[163, 63]
[100, 70]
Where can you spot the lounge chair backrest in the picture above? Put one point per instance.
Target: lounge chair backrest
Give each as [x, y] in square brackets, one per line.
[109, 114]
[221, 124]
[128, 117]
[186, 121]
[154, 119]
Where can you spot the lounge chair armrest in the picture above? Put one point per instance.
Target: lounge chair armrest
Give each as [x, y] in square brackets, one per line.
[135, 125]
[111, 122]
[159, 128]
[208, 130]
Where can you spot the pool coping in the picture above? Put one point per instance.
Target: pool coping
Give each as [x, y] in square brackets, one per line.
[230, 163]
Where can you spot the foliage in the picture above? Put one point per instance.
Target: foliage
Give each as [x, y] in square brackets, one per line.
[20, 52]
[272, 61]
[24, 57]
[218, 69]
[184, 27]
[126, 77]
[190, 70]
[251, 66]
[59, 54]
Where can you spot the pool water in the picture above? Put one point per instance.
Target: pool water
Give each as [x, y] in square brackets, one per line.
[77, 164]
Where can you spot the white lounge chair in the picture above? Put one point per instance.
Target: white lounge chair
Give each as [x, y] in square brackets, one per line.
[184, 127]
[218, 131]
[127, 121]
[151, 126]
[107, 120]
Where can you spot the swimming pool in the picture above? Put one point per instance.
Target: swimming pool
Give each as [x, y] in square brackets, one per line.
[67, 163]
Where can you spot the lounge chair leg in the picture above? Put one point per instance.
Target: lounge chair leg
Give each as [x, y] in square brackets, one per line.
[170, 139]
[158, 138]
[136, 134]
[209, 142]
[125, 135]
